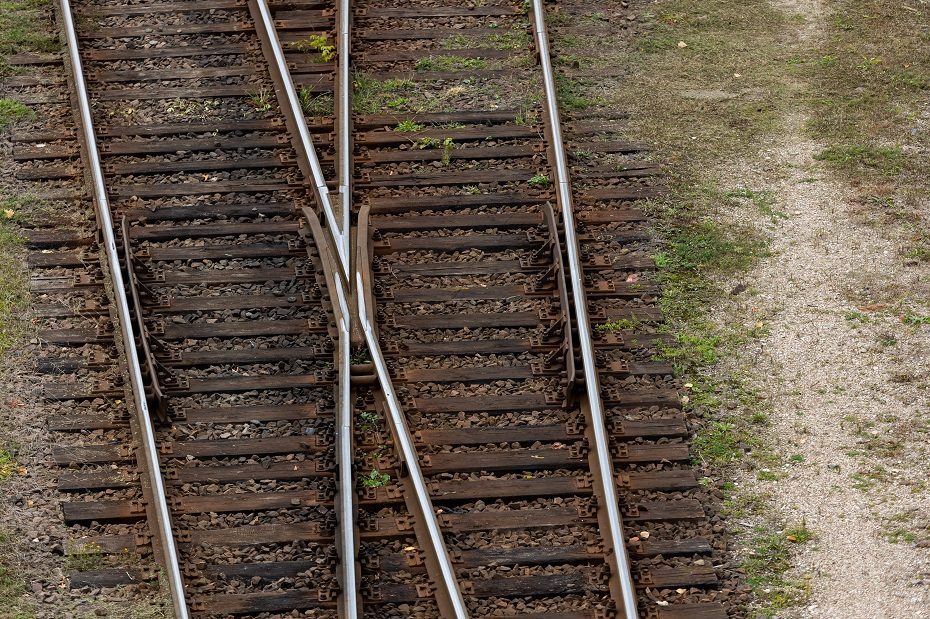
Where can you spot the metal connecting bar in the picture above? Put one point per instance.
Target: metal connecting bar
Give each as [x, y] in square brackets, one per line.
[320, 188]
[105, 220]
[592, 384]
[411, 460]
[344, 117]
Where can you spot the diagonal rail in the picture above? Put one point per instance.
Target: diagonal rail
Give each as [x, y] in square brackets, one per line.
[105, 224]
[449, 587]
[310, 162]
[604, 475]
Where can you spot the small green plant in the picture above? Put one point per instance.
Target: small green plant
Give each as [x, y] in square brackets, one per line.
[375, 479]
[317, 43]
[367, 420]
[448, 145]
[408, 126]
[424, 143]
[12, 112]
[188, 109]
[360, 357]
[85, 559]
[799, 534]
[622, 324]
[315, 105]
[539, 181]
[915, 320]
[7, 464]
[261, 100]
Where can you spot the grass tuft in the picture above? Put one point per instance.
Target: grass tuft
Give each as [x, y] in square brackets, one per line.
[371, 96]
[854, 157]
[12, 111]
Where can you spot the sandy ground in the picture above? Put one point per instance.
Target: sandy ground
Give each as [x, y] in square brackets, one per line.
[846, 381]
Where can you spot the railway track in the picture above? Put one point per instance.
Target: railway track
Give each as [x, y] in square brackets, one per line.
[388, 320]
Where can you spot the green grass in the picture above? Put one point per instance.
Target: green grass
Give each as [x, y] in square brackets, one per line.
[371, 96]
[622, 324]
[13, 287]
[86, 559]
[698, 110]
[12, 584]
[717, 445]
[20, 30]
[450, 63]
[12, 112]
[571, 96]
[315, 105]
[855, 157]
[766, 564]
[7, 464]
[869, 83]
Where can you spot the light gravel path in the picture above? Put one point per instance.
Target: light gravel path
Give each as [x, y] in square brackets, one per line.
[828, 378]
[845, 379]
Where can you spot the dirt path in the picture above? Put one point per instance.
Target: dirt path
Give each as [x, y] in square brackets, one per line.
[844, 377]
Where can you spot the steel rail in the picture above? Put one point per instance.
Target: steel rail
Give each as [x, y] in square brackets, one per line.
[410, 459]
[591, 381]
[344, 459]
[344, 118]
[341, 239]
[320, 187]
[105, 221]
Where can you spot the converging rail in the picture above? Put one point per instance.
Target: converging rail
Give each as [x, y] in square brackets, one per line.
[105, 221]
[358, 287]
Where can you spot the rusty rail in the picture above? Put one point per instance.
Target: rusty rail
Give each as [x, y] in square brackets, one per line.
[105, 224]
[604, 471]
